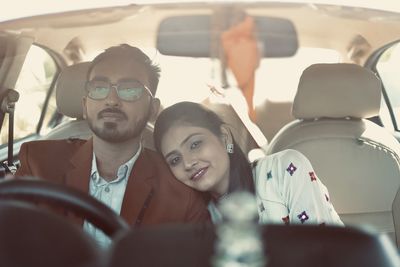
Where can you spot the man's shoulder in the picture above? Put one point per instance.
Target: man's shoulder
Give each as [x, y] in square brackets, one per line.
[72, 142]
[63, 146]
[47, 158]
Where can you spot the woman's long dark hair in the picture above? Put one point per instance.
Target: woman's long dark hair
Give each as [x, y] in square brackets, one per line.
[197, 115]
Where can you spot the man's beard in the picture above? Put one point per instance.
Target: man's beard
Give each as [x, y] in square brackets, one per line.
[110, 133]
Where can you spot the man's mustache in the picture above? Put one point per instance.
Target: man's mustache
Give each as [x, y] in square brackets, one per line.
[111, 110]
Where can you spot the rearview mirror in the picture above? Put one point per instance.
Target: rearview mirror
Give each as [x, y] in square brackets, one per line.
[191, 36]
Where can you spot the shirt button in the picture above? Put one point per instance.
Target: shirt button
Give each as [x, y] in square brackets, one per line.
[107, 189]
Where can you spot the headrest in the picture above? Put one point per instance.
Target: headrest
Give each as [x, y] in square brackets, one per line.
[337, 91]
[70, 88]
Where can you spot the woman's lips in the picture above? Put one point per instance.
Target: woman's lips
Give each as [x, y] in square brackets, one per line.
[200, 173]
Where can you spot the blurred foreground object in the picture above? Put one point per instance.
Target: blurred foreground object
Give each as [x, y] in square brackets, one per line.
[239, 240]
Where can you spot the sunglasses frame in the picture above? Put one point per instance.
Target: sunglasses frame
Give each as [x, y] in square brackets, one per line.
[116, 86]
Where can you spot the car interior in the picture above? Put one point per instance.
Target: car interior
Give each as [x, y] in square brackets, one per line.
[355, 150]
[347, 151]
[43, 231]
[344, 134]
[334, 120]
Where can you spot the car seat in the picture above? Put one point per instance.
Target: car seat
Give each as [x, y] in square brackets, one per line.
[355, 158]
[272, 116]
[70, 88]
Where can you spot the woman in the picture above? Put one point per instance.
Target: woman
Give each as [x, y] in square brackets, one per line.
[201, 152]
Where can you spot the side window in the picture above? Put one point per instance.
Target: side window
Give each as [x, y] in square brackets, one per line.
[33, 84]
[388, 69]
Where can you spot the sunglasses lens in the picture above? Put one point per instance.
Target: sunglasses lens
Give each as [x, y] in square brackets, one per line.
[98, 89]
[130, 91]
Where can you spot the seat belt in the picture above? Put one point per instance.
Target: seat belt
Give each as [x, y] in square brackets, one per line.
[8, 106]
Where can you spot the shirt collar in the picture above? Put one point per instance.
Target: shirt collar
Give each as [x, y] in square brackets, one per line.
[122, 174]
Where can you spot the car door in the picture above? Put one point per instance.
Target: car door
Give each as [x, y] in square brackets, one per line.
[31, 71]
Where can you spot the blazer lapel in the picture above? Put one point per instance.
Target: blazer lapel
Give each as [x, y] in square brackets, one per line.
[78, 174]
[138, 188]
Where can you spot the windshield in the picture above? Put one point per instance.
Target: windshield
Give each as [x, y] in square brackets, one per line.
[49, 6]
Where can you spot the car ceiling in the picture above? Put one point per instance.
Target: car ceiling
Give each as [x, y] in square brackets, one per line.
[325, 26]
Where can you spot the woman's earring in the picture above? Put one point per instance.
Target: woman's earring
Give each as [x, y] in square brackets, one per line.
[229, 148]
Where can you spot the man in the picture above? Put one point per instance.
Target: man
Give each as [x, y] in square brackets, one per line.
[112, 165]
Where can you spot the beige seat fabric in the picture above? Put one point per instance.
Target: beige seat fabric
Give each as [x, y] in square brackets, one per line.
[231, 106]
[356, 159]
[272, 116]
[239, 131]
[70, 88]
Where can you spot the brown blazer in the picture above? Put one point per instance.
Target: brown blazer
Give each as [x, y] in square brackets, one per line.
[151, 191]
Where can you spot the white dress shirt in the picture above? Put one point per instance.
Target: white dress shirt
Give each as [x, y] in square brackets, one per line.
[110, 193]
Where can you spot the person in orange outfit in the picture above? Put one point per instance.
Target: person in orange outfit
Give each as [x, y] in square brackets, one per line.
[242, 57]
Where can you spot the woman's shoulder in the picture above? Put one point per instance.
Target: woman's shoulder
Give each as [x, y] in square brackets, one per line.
[282, 156]
[289, 153]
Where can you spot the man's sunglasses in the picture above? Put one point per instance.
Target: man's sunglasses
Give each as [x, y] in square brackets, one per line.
[128, 91]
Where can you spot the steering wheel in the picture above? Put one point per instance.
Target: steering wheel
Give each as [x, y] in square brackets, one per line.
[31, 189]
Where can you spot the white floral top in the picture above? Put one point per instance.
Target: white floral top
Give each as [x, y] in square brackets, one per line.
[288, 191]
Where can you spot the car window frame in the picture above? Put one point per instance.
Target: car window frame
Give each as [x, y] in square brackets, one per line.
[56, 117]
[371, 63]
